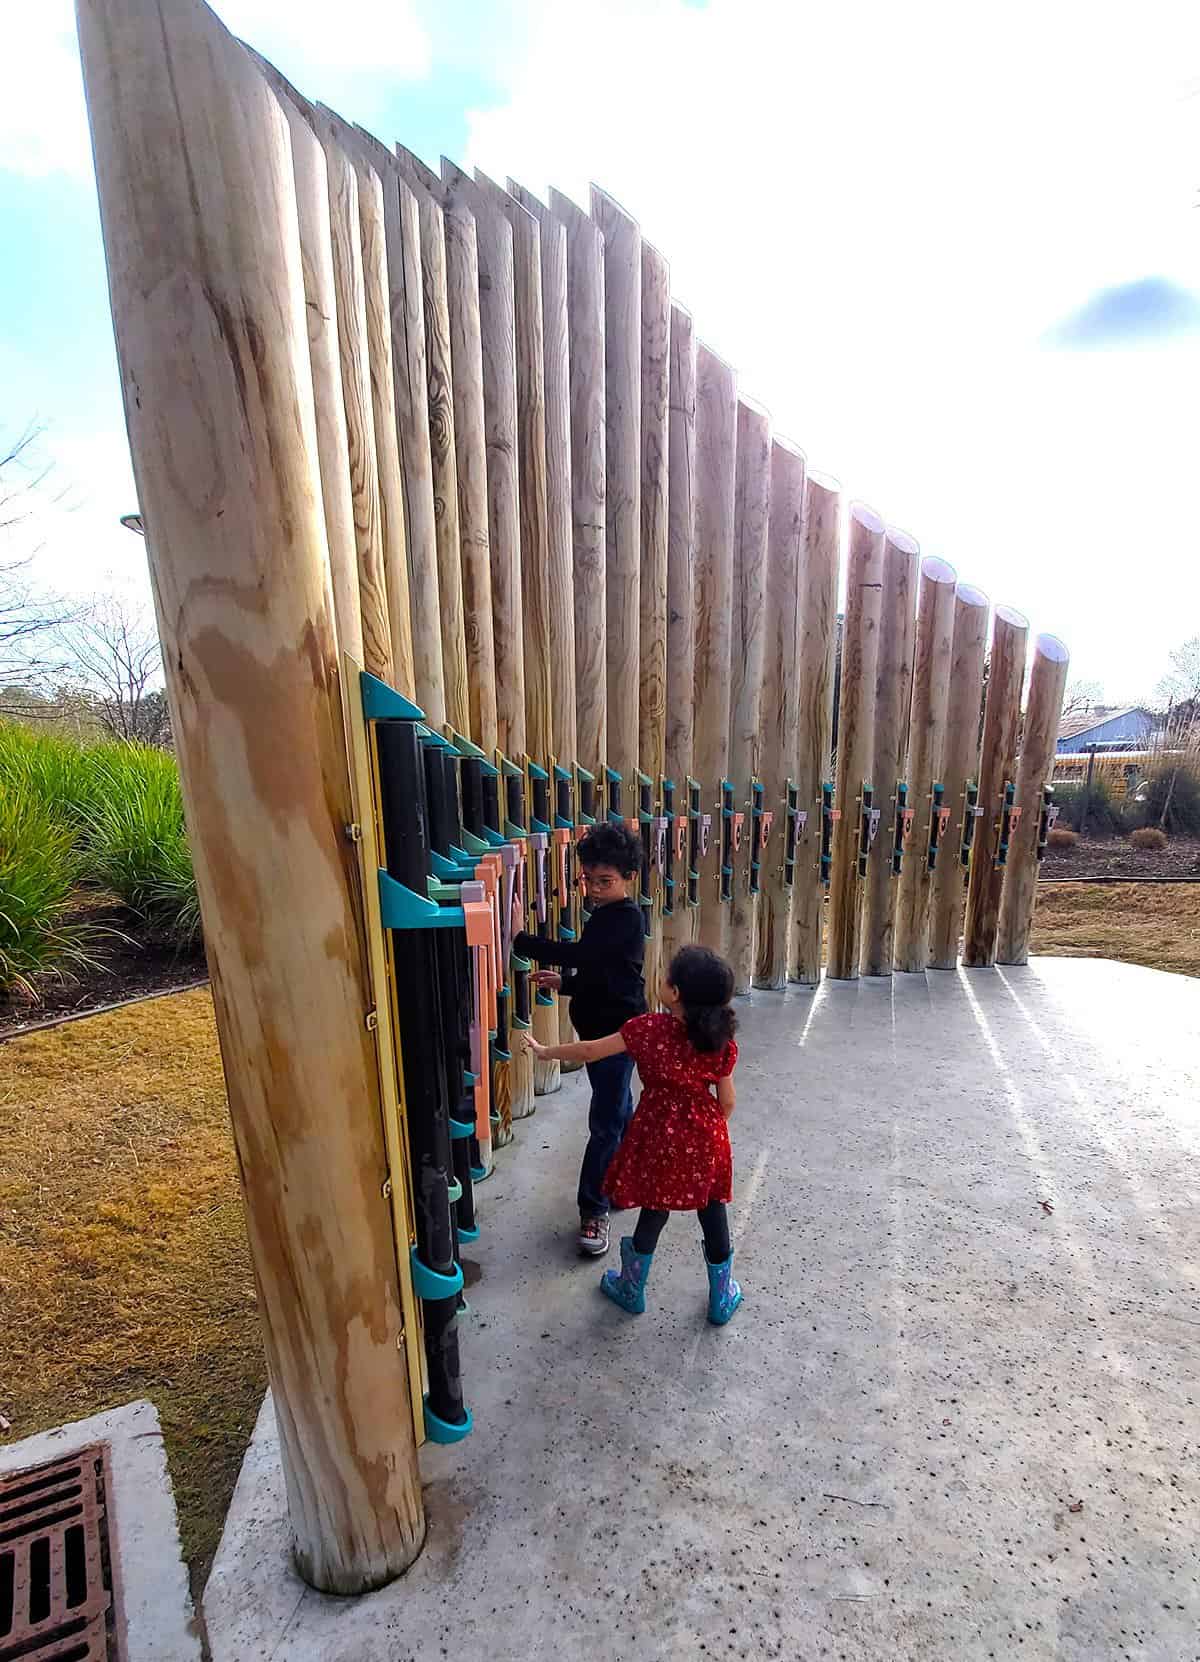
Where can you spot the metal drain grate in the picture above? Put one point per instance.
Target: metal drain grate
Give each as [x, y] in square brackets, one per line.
[56, 1573]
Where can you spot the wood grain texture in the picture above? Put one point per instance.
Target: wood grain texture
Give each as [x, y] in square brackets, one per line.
[680, 926]
[355, 364]
[585, 316]
[532, 495]
[960, 765]
[623, 481]
[320, 297]
[893, 697]
[470, 445]
[655, 505]
[751, 512]
[559, 556]
[779, 705]
[716, 466]
[926, 744]
[413, 654]
[200, 227]
[1039, 740]
[497, 321]
[514, 1093]
[816, 607]
[856, 734]
[416, 279]
[997, 766]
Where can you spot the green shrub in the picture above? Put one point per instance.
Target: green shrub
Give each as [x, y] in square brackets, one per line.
[136, 842]
[1105, 812]
[55, 771]
[1149, 837]
[1175, 787]
[39, 869]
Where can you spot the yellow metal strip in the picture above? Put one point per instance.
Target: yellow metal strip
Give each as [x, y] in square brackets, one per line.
[363, 775]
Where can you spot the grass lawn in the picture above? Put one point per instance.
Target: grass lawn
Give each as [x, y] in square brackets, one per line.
[124, 1270]
[123, 1263]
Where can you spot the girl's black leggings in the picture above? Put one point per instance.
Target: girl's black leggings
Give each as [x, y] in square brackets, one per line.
[714, 1221]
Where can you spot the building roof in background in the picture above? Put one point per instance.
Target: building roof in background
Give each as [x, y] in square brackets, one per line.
[1085, 721]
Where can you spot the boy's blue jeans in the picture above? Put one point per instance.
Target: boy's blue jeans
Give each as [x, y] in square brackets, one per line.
[612, 1104]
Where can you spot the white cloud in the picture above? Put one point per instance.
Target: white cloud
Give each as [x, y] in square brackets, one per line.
[43, 124]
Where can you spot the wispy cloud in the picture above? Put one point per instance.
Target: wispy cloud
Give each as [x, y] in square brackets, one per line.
[1130, 314]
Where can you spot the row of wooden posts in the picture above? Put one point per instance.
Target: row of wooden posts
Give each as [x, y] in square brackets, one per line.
[469, 438]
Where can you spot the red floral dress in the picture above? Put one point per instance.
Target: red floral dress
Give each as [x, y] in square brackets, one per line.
[675, 1155]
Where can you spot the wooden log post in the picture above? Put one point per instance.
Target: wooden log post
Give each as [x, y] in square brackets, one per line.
[679, 925]
[926, 743]
[537, 646]
[316, 252]
[856, 735]
[997, 769]
[716, 468]
[559, 556]
[470, 448]
[960, 768]
[752, 499]
[816, 610]
[779, 707]
[416, 665]
[199, 218]
[355, 365]
[652, 589]
[623, 470]
[514, 1091]
[585, 318]
[1039, 740]
[893, 696]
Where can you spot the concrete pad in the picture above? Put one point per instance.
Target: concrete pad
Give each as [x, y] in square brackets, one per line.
[160, 1623]
[955, 1419]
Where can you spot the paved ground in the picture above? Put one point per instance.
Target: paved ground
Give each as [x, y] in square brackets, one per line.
[955, 1419]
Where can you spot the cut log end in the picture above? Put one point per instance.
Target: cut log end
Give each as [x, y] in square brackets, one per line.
[1049, 646]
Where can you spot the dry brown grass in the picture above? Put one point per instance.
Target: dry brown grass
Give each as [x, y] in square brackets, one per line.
[1134, 923]
[124, 1270]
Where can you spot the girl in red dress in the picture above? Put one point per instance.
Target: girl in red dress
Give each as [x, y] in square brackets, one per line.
[675, 1156]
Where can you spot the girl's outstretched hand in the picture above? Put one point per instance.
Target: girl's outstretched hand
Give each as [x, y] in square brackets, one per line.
[531, 1045]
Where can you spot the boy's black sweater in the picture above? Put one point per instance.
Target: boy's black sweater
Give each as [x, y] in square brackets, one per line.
[602, 970]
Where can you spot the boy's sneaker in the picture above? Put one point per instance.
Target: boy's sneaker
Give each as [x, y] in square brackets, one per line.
[593, 1236]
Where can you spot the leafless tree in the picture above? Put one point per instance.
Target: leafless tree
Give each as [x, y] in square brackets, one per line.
[115, 658]
[1179, 734]
[29, 618]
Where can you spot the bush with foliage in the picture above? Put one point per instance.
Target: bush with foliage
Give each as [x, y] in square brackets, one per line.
[1170, 797]
[1062, 837]
[1105, 812]
[39, 869]
[1149, 837]
[137, 845]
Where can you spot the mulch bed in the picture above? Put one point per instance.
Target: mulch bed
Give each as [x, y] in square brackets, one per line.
[131, 963]
[1116, 857]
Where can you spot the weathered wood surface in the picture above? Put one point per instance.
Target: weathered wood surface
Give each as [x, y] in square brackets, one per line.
[414, 658]
[532, 494]
[470, 444]
[856, 734]
[355, 365]
[1039, 740]
[585, 314]
[497, 322]
[652, 629]
[998, 761]
[893, 696]
[752, 499]
[311, 177]
[200, 226]
[926, 743]
[960, 765]
[623, 477]
[820, 566]
[679, 927]
[716, 463]
[779, 705]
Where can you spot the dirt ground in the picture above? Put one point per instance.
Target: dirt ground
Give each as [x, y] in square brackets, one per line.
[1158, 926]
[1116, 856]
[124, 1270]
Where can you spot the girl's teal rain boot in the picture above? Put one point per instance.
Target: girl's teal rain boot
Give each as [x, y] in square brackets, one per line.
[724, 1294]
[627, 1286]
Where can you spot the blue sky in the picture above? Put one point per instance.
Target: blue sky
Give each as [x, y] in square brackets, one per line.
[953, 249]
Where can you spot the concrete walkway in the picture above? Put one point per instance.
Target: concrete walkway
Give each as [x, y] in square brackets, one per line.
[957, 1417]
